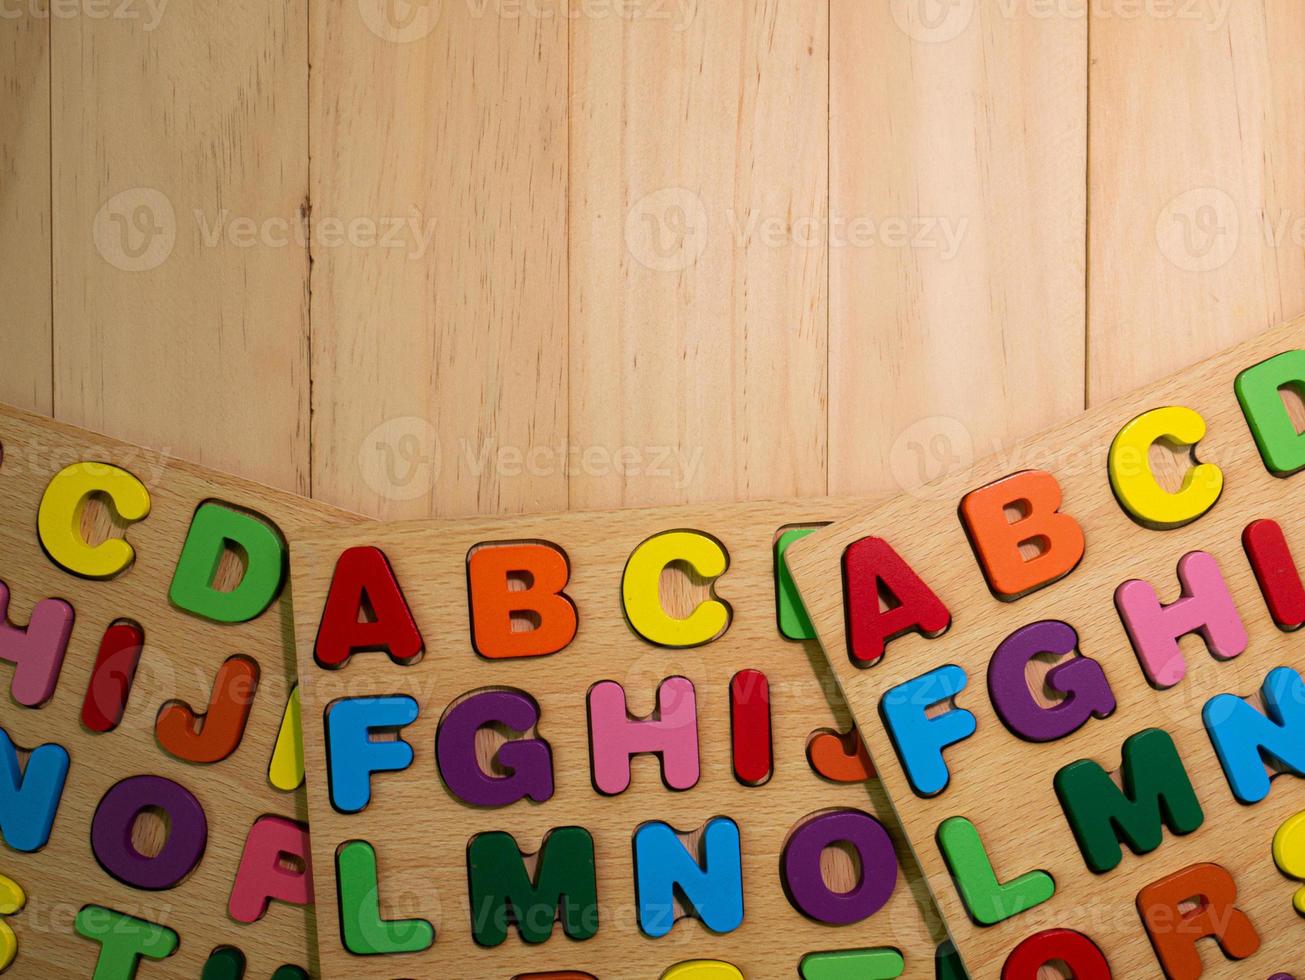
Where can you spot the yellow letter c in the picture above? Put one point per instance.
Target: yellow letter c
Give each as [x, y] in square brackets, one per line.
[640, 589]
[59, 519]
[1134, 482]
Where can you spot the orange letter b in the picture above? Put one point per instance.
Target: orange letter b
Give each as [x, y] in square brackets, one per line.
[518, 608]
[1021, 509]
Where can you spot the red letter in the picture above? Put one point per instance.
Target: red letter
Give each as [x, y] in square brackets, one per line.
[1075, 950]
[497, 607]
[365, 611]
[115, 668]
[750, 726]
[1174, 934]
[1279, 580]
[871, 569]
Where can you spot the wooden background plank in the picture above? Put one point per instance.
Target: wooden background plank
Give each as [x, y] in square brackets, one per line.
[1196, 237]
[698, 275]
[440, 364]
[1197, 194]
[180, 272]
[957, 309]
[25, 208]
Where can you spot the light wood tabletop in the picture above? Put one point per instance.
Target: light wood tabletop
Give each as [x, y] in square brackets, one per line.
[448, 257]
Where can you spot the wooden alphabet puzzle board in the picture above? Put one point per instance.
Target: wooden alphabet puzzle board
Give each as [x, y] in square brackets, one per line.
[150, 788]
[1007, 638]
[541, 630]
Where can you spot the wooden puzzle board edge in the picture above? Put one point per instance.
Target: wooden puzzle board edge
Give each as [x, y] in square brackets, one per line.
[420, 833]
[181, 656]
[1004, 784]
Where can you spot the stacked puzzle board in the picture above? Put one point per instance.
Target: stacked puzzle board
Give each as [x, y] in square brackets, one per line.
[590, 745]
[150, 778]
[1077, 669]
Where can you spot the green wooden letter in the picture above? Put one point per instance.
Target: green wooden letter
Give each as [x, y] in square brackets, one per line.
[1156, 794]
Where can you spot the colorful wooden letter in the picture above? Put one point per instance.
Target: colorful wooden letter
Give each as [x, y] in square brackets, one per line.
[565, 886]
[873, 573]
[1289, 854]
[840, 757]
[1081, 680]
[1275, 572]
[497, 607]
[920, 739]
[703, 970]
[59, 519]
[286, 770]
[1175, 933]
[213, 736]
[853, 964]
[1157, 793]
[363, 930]
[805, 884]
[116, 815]
[1035, 496]
[29, 799]
[1074, 949]
[1206, 607]
[112, 676]
[12, 899]
[36, 652]
[794, 623]
[987, 900]
[641, 589]
[263, 875]
[214, 529]
[1245, 739]
[750, 727]
[712, 885]
[365, 611]
[528, 762]
[1135, 484]
[671, 734]
[1258, 390]
[124, 941]
[351, 753]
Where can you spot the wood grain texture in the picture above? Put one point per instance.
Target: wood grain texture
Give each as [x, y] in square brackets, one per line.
[25, 323]
[698, 252]
[421, 832]
[958, 142]
[181, 656]
[440, 350]
[1197, 194]
[180, 265]
[994, 775]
